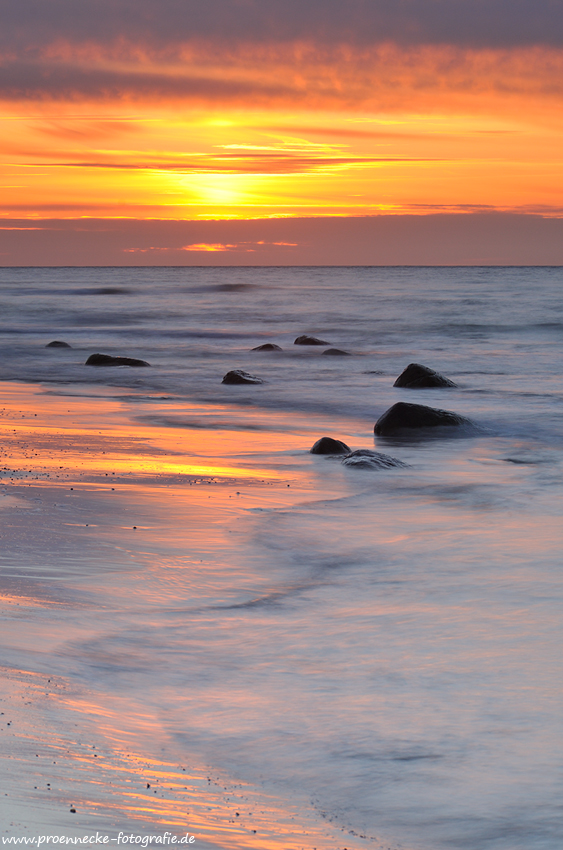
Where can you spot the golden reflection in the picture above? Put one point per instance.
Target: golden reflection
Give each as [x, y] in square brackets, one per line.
[55, 445]
[24, 601]
[107, 768]
[108, 771]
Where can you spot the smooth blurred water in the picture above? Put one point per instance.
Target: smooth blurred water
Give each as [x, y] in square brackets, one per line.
[386, 646]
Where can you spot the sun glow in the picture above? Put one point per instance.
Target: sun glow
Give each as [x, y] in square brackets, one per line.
[237, 130]
[248, 164]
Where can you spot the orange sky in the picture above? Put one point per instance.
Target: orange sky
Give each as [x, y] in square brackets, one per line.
[198, 118]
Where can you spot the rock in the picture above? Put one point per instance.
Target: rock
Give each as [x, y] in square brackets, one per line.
[268, 346]
[237, 376]
[108, 360]
[409, 416]
[336, 352]
[368, 459]
[232, 287]
[416, 377]
[58, 344]
[309, 340]
[110, 290]
[329, 446]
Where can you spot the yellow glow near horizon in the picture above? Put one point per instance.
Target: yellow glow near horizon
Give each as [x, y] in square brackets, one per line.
[432, 148]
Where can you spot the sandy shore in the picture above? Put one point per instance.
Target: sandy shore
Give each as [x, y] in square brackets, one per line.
[85, 501]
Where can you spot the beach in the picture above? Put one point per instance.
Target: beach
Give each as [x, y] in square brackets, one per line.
[210, 631]
[45, 511]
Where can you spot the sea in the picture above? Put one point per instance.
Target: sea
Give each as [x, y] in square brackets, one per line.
[342, 657]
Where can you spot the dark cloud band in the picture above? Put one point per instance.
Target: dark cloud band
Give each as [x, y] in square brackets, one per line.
[162, 24]
[20, 80]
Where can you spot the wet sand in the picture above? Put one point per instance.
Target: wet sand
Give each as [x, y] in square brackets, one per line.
[84, 507]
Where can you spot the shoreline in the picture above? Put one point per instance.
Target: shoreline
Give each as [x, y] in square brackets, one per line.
[72, 542]
[355, 652]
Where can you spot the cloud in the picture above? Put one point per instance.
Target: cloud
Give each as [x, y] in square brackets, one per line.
[161, 24]
[383, 77]
[261, 52]
[242, 160]
[210, 247]
[200, 247]
[486, 238]
[56, 80]
[88, 130]
[339, 132]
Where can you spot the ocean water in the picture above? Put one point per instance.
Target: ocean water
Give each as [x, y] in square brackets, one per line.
[376, 653]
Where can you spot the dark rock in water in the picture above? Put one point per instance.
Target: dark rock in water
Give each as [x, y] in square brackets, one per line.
[417, 377]
[232, 287]
[329, 446]
[108, 360]
[408, 416]
[368, 459]
[268, 346]
[58, 344]
[309, 340]
[336, 352]
[237, 376]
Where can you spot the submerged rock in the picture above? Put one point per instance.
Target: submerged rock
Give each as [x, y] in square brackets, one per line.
[268, 346]
[369, 459]
[336, 352]
[110, 290]
[58, 344]
[237, 376]
[329, 446]
[416, 376]
[108, 360]
[232, 287]
[309, 340]
[410, 416]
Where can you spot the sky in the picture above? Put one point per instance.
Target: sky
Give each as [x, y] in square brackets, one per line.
[205, 119]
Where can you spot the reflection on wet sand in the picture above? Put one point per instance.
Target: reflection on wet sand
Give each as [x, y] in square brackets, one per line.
[61, 443]
[78, 761]
[344, 659]
[70, 754]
